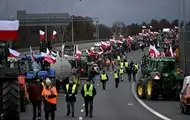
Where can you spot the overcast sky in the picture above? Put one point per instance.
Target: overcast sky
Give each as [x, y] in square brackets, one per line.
[108, 11]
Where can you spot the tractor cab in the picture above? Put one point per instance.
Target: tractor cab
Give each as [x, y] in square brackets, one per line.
[69, 50]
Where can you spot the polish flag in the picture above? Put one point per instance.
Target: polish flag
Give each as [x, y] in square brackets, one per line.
[143, 26]
[32, 54]
[78, 54]
[42, 35]
[151, 27]
[53, 35]
[48, 57]
[9, 29]
[166, 41]
[13, 53]
[153, 51]
[171, 52]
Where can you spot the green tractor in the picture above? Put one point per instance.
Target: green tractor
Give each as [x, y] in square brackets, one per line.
[160, 76]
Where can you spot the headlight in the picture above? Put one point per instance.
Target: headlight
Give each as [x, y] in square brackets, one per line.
[166, 75]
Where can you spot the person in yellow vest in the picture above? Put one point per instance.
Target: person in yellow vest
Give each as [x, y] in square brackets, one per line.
[118, 59]
[135, 71]
[88, 92]
[104, 78]
[121, 74]
[116, 77]
[121, 64]
[126, 64]
[49, 94]
[71, 92]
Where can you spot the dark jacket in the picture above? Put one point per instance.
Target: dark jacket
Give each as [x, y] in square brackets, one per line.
[35, 91]
[92, 74]
[71, 98]
[88, 97]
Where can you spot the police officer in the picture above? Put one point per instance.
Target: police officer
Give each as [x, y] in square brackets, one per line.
[130, 70]
[88, 92]
[116, 77]
[71, 92]
[121, 73]
[121, 64]
[49, 94]
[126, 64]
[135, 70]
[118, 59]
[104, 78]
[35, 89]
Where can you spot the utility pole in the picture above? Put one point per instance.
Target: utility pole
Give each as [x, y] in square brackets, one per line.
[46, 27]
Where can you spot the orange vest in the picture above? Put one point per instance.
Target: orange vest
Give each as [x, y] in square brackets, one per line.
[22, 82]
[50, 91]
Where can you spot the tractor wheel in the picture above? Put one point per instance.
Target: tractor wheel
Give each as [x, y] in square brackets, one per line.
[151, 93]
[140, 89]
[11, 100]
[22, 100]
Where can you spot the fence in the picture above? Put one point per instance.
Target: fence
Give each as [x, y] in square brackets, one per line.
[36, 49]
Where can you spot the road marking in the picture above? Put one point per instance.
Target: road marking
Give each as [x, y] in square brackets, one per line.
[145, 105]
[83, 104]
[80, 118]
[97, 84]
[130, 104]
[82, 110]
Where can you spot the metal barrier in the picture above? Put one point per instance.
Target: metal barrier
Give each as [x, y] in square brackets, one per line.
[26, 51]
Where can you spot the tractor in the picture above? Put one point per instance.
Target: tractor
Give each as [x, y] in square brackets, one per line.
[161, 77]
[10, 88]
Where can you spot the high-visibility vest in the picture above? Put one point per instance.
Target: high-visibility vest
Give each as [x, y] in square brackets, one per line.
[121, 64]
[43, 84]
[126, 64]
[50, 91]
[88, 92]
[73, 88]
[136, 67]
[116, 75]
[121, 71]
[104, 77]
[118, 58]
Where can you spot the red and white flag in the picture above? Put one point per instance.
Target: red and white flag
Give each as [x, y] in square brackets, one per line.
[53, 35]
[49, 57]
[32, 54]
[9, 29]
[42, 35]
[78, 54]
[13, 53]
[171, 52]
[151, 27]
[153, 51]
[143, 27]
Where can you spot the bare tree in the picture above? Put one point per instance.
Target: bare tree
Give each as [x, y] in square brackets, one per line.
[117, 28]
[61, 30]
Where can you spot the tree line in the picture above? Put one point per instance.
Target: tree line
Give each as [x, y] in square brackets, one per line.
[85, 28]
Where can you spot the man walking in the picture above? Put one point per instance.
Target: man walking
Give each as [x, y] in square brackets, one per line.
[88, 92]
[35, 89]
[104, 78]
[71, 92]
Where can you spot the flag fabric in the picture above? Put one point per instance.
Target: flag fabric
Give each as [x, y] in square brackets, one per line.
[32, 54]
[48, 57]
[151, 26]
[153, 51]
[78, 54]
[171, 53]
[166, 41]
[42, 35]
[143, 27]
[13, 53]
[9, 30]
[53, 35]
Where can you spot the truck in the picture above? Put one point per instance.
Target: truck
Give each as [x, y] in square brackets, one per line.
[160, 77]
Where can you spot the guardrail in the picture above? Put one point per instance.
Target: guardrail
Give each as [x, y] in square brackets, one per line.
[24, 51]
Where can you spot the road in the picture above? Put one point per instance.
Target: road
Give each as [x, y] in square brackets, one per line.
[116, 103]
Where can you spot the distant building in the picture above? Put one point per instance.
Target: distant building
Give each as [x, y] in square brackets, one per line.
[42, 19]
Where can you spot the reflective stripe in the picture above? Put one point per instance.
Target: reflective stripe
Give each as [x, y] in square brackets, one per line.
[121, 64]
[136, 67]
[118, 58]
[116, 75]
[121, 71]
[104, 77]
[88, 92]
[73, 88]
[50, 91]
[126, 64]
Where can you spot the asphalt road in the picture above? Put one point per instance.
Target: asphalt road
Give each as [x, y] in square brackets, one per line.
[112, 104]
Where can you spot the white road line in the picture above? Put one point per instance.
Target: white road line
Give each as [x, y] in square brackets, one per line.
[80, 118]
[82, 110]
[146, 106]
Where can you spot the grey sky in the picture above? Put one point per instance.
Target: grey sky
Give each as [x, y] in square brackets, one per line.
[128, 11]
